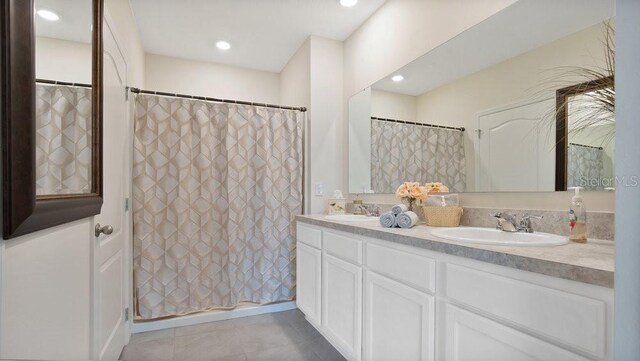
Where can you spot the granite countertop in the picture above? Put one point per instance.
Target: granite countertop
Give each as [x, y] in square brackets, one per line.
[591, 262]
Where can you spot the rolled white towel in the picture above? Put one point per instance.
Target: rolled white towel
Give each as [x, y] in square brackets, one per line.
[407, 219]
[399, 208]
[388, 220]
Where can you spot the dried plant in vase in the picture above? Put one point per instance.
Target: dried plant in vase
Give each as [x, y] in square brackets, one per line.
[589, 92]
[410, 193]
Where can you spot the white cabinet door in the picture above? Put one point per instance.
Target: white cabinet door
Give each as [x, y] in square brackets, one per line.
[470, 337]
[308, 267]
[399, 321]
[342, 304]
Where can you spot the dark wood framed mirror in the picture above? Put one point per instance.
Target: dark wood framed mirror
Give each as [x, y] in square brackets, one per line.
[595, 109]
[27, 209]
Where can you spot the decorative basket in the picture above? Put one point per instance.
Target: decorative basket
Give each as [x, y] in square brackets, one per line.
[442, 216]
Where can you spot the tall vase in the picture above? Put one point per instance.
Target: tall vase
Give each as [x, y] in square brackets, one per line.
[410, 203]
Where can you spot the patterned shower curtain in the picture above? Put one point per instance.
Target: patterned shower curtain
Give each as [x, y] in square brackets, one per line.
[63, 139]
[405, 152]
[585, 167]
[216, 188]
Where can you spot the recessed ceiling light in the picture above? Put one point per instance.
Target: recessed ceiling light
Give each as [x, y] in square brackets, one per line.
[348, 3]
[397, 78]
[223, 45]
[48, 15]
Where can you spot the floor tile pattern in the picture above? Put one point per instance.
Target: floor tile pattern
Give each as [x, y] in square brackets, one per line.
[282, 336]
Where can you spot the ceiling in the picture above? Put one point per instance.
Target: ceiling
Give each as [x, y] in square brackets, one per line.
[519, 28]
[76, 17]
[264, 34]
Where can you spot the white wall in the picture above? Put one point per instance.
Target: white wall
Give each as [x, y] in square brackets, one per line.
[46, 291]
[627, 279]
[386, 104]
[295, 90]
[295, 78]
[46, 294]
[313, 78]
[163, 73]
[360, 111]
[63, 60]
[326, 119]
[377, 49]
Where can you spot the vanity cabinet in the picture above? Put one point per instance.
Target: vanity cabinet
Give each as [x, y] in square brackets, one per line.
[309, 273]
[342, 292]
[398, 321]
[399, 305]
[553, 310]
[378, 300]
[342, 304]
[469, 336]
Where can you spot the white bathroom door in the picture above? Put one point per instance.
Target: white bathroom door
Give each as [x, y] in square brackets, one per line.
[516, 149]
[110, 255]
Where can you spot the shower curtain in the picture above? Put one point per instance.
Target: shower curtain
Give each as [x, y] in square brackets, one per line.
[585, 167]
[63, 139]
[405, 152]
[216, 188]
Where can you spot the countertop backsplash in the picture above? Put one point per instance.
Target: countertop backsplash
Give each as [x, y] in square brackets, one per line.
[600, 224]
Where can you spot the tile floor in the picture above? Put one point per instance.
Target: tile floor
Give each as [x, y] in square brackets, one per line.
[282, 336]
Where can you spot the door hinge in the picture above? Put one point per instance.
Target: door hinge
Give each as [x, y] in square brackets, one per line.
[478, 132]
[126, 204]
[126, 314]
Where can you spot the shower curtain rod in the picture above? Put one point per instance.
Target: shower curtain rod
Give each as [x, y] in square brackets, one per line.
[586, 146]
[176, 95]
[420, 124]
[57, 82]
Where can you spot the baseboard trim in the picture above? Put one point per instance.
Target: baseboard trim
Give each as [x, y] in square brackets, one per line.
[188, 320]
[330, 339]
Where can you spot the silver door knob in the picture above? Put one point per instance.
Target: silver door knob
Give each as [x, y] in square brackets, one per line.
[103, 229]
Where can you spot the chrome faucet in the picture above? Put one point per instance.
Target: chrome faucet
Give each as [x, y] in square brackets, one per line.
[525, 222]
[367, 209]
[508, 222]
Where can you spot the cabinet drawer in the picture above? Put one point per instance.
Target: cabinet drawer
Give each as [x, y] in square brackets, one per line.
[346, 248]
[568, 318]
[309, 236]
[416, 271]
[467, 336]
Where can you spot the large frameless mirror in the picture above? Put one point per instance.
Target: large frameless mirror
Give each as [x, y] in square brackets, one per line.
[513, 104]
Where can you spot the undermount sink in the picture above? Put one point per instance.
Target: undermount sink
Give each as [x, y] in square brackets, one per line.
[349, 217]
[496, 237]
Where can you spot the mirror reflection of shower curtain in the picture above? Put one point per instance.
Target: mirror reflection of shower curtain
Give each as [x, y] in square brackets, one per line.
[63, 139]
[216, 188]
[585, 167]
[405, 152]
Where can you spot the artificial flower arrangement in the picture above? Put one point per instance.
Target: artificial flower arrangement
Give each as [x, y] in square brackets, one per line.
[412, 192]
[436, 187]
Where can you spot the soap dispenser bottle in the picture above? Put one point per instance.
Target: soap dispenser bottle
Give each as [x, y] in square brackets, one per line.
[577, 218]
